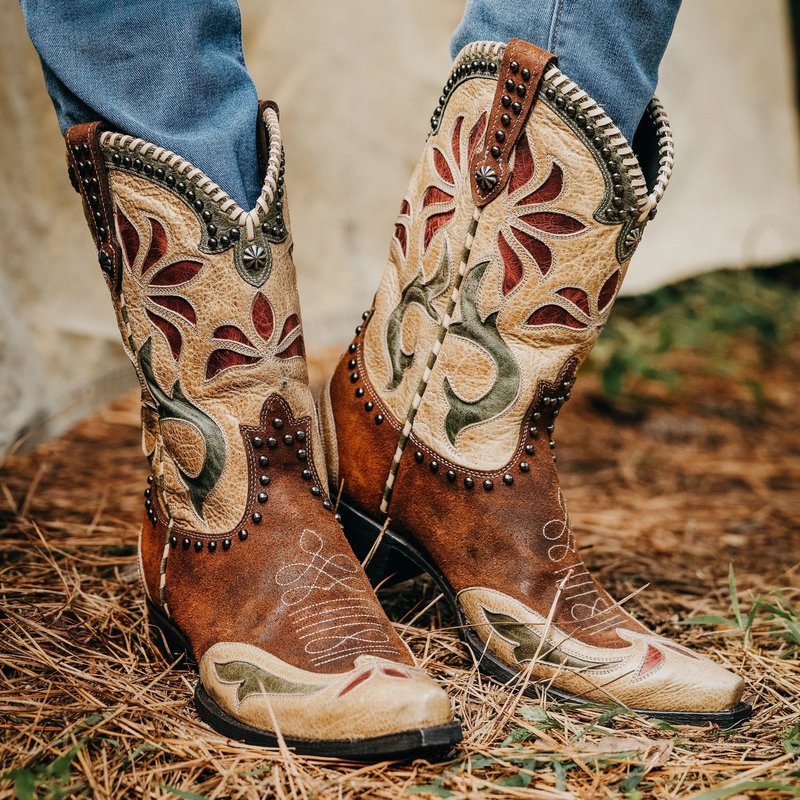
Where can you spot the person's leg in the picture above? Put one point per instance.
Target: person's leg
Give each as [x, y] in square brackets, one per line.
[612, 49]
[170, 72]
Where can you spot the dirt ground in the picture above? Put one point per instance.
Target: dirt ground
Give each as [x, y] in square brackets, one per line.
[666, 498]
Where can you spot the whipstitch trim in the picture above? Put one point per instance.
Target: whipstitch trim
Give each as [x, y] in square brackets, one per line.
[444, 326]
[247, 220]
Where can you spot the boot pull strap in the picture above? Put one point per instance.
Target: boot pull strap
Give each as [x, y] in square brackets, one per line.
[87, 173]
[518, 80]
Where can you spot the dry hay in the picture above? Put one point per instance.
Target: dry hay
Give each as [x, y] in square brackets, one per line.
[708, 480]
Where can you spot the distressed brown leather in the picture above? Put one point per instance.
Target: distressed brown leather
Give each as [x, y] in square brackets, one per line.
[518, 81]
[357, 431]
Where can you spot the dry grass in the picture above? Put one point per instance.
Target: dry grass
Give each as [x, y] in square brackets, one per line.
[708, 480]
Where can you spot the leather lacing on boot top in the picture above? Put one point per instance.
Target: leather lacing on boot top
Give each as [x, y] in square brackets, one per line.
[247, 220]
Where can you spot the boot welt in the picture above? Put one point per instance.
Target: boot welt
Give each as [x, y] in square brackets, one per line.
[430, 743]
[395, 558]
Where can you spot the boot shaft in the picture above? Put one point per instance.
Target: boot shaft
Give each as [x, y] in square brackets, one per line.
[206, 301]
[512, 242]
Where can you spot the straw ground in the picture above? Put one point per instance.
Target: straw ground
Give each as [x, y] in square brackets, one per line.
[670, 494]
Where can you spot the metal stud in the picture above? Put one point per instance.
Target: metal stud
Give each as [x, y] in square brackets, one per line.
[500, 136]
[360, 391]
[254, 257]
[488, 485]
[510, 85]
[508, 479]
[326, 504]
[529, 449]
[256, 517]
[505, 100]
[212, 547]
[262, 497]
[486, 177]
[243, 534]
[524, 466]
[495, 151]
[354, 377]
[521, 90]
[226, 544]
[173, 541]
[379, 419]
[369, 405]
[258, 442]
[526, 74]
[306, 475]
[516, 108]
[288, 439]
[353, 347]
[263, 461]
[302, 454]
[468, 482]
[451, 476]
[264, 480]
[505, 120]
[514, 66]
[352, 364]
[300, 436]
[272, 442]
[418, 457]
[198, 546]
[316, 491]
[434, 466]
[185, 544]
[277, 423]
[552, 444]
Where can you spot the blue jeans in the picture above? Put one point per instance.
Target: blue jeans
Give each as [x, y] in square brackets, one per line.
[169, 71]
[173, 73]
[611, 48]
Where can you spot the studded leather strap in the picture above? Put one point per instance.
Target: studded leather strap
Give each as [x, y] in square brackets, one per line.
[521, 72]
[87, 172]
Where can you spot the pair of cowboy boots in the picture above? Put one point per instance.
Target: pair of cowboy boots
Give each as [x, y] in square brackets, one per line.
[511, 244]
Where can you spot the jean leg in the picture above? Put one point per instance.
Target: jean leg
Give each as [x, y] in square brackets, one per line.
[611, 49]
[171, 72]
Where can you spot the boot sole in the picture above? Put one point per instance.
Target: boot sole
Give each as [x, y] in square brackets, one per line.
[423, 742]
[396, 558]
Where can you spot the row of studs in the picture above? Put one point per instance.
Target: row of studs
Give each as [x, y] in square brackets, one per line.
[462, 72]
[355, 376]
[553, 404]
[600, 142]
[184, 188]
[91, 185]
[264, 480]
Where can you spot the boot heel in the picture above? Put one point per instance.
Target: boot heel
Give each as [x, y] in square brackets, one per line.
[386, 557]
[167, 637]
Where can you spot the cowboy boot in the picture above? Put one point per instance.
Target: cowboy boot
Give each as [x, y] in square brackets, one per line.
[512, 242]
[244, 563]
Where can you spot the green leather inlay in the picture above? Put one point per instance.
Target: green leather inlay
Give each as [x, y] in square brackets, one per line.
[528, 644]
[484, 333]
[254, 680]
[179, 407]
[423, 294]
